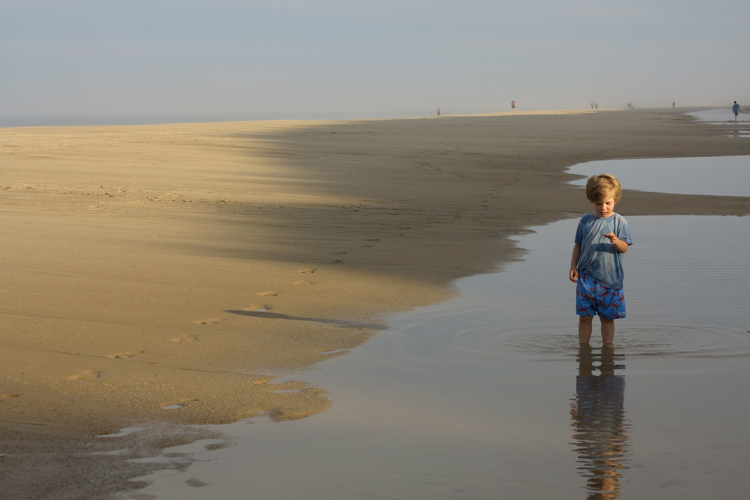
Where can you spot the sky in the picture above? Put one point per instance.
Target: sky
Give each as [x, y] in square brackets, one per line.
[366, 59]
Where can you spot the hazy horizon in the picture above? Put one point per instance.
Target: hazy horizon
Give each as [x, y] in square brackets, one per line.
[331, 59]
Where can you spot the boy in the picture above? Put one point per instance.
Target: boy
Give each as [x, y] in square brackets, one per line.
[596, 266]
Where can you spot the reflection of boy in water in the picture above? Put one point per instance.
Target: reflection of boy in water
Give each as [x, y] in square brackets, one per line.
[596, 266]
[599, 422]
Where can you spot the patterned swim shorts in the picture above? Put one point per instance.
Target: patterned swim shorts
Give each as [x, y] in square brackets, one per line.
[593, 298]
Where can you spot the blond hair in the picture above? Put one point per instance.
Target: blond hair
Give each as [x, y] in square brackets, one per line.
[602, 186]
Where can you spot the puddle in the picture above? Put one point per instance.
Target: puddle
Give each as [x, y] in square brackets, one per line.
[489, 395]
[675, 175]
[196, 447]
[176, 405]
[151, 477]
[114, 453]
[155, 460]
[123, 432]
[335, 351]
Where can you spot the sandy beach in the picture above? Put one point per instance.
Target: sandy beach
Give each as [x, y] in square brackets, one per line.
[166, 275]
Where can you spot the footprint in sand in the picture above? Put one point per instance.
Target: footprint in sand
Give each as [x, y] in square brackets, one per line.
[310, 271]
[336, 262]
[268, 294]
[211, 321]
[365, 246]
[303, 282]
[8, 395]
[125, 355]
[185, 338]
[288, 387]
[176, 405]
[339, 253]
[87, 375]
[195, 482]
[256, 308]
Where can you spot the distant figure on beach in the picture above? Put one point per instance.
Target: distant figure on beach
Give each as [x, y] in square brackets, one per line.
[736, 110]
[596, 105]
[596, 265]
[672, 104]
[513, 104]
[592, 104]
[438, 112]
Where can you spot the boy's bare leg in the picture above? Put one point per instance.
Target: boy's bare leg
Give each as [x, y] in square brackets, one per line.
[608, 331]
[584, 329]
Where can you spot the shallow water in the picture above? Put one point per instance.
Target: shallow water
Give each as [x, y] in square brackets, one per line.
[489, 395]
[725, 117]
[675, 175]
[720, 116]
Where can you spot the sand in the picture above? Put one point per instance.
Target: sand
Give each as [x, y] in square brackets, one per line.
[188, 274]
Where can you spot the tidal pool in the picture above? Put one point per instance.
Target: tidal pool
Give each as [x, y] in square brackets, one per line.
[489, 396]
[716, 175]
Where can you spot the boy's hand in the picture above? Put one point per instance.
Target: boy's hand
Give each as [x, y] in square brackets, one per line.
[574, 275]
[619, 245]
[612, 237]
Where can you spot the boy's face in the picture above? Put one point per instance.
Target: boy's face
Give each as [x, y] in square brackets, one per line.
[604, 207]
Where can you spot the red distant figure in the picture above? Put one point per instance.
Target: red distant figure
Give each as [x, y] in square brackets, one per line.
[513, 104]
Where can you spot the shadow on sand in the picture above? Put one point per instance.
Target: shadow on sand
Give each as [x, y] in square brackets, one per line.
[337, 322]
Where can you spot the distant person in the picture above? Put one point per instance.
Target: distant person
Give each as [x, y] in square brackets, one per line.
[596, 265]
[592, 104]
[672, 104]
[438, 112]
[513, 105]
[596, 105]
[736, 110]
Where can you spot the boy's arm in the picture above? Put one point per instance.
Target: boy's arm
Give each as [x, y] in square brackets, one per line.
[574, 263]
[620, 245]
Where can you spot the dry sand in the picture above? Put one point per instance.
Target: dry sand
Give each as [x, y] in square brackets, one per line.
[174, 273]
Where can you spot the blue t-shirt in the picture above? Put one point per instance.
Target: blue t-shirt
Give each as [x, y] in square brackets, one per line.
[598, 256]
[736, 108]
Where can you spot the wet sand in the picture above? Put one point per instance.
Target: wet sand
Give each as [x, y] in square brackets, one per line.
[172, 273]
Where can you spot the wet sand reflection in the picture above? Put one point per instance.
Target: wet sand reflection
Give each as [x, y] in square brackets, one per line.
[597, 411]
